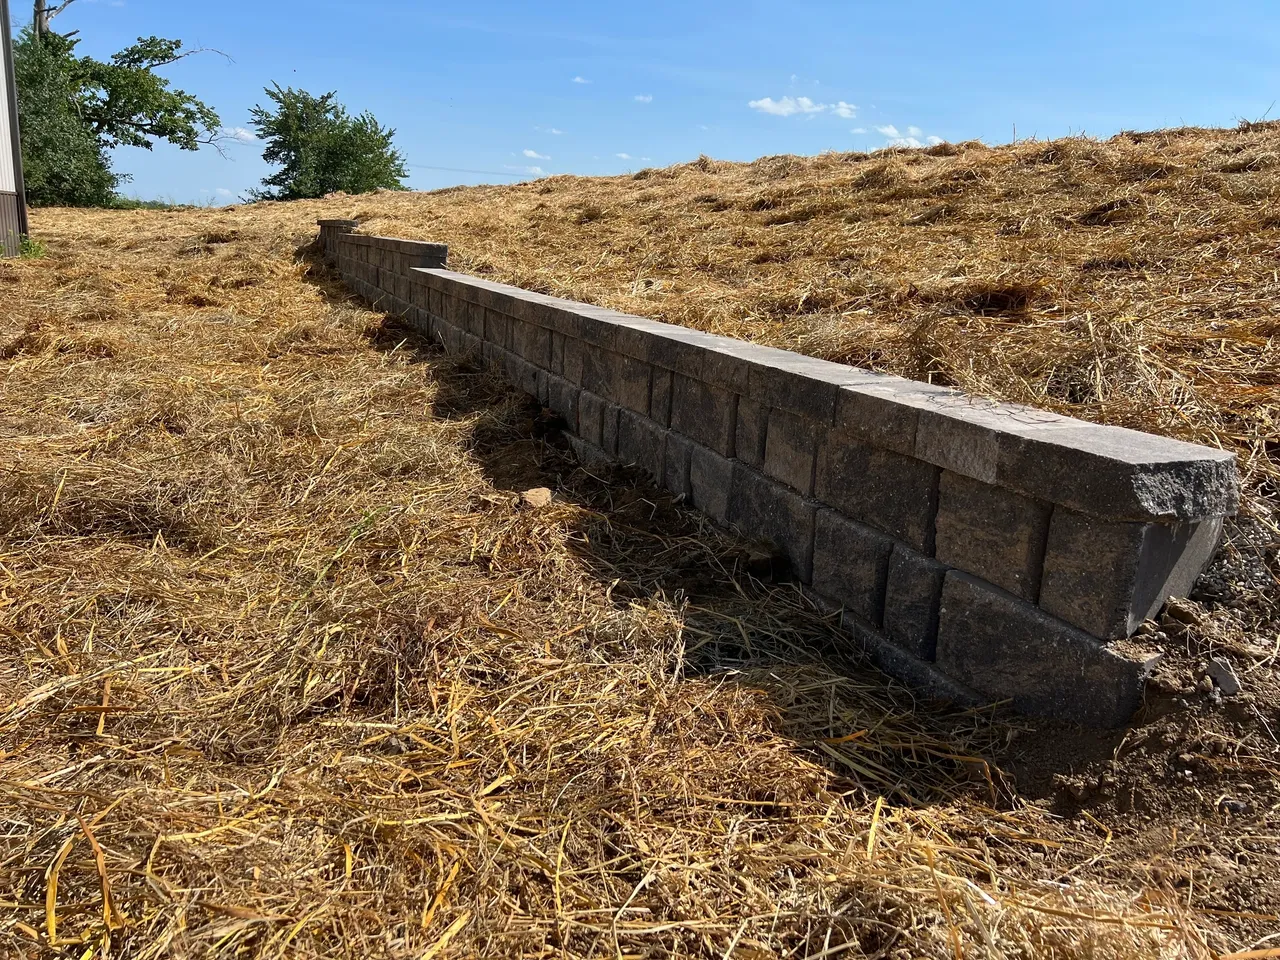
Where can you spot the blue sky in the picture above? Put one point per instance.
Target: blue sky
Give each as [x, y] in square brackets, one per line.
[602, 87]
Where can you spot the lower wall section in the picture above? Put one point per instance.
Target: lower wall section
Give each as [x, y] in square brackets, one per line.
[10, 224]
[981, 551]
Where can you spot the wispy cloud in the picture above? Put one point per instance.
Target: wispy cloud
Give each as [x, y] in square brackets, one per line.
[790, 106]
[644, 98]
[624, 156]
[224, 192]
[786, 106]
[913, 138]
[551, 130]
[535, 155]
[858, 130]
[581, 80]
[534, 171]
[239, 134]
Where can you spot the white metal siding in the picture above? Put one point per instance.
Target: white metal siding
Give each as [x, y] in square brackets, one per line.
[8, 180]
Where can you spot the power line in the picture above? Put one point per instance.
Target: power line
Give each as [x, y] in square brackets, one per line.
[483, 173]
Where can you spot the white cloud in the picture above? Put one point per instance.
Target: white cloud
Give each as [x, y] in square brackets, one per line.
[535, 171]
[224, 192]
[239, 134]
[846, 111]
[581, 80]
[889, 130]
[914, 132]
[934, 141]
[905, 142]
[551, 130]
[858, 130]
[624, 156]
[535, 155]
[644, 98]
[786, 106]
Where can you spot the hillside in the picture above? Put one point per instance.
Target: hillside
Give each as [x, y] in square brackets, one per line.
[291, 665]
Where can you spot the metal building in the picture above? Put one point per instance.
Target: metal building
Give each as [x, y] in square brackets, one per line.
[13, 207]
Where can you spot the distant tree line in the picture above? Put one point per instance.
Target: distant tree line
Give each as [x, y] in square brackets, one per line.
[74, 110]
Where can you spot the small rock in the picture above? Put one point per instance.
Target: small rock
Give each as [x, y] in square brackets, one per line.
[1205, 685]
[537, 497]
[1182, 612]
[1222, 674]
[1235, 807]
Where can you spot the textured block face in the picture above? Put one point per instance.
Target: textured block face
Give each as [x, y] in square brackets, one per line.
[993, 533]
[750, 432]
[851, 565]
[710, 481]
[562, 397]
[1007, 649]
[897, 495]
[624, 380]
[497, 328]
[1107, 577]
[704, 413]
[641, 442]
[791, 450]
[574, 351]
[591, 417]
[912, 598]
[763, 509]
[609, 429]
[660, 397]
[531, 342]
[676, 464]
[1118, 474]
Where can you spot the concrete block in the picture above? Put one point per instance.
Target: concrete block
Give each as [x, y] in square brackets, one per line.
[993, 533]
[497, 328]
[522, 374]
[574, 354]
[591, 410]
[1117, 474]
[660, 397]
[921, 676]
[676, 464]
[642, 442]
[912, 597]
[719, 361]
[1106, 577]
[751, 428]
[609, 429]
[532, 342]
[791, 450]
[704, 413]
[763, 509]
[557, 354]
[851, 565]
[1007, 649]
[622, 379]
[562, 397]
[802, 386]
[710, 481]
[891, 492]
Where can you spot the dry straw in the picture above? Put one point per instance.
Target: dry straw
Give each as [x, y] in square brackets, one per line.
[290, 668]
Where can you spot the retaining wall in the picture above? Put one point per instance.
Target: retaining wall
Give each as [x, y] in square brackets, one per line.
[987, 551]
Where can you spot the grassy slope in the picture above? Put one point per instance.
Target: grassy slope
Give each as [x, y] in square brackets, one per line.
[281, 639]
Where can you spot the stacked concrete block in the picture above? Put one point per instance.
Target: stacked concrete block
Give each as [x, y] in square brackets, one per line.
[991, 551]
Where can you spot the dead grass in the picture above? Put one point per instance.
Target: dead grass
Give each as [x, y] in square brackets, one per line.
[289, 668]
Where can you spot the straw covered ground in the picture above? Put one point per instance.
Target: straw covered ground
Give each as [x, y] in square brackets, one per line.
[296, 661]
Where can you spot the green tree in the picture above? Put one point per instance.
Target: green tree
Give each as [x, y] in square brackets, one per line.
[74, 109]
[322, 149]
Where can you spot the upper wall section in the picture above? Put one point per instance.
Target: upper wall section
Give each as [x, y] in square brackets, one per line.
[992, 550]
